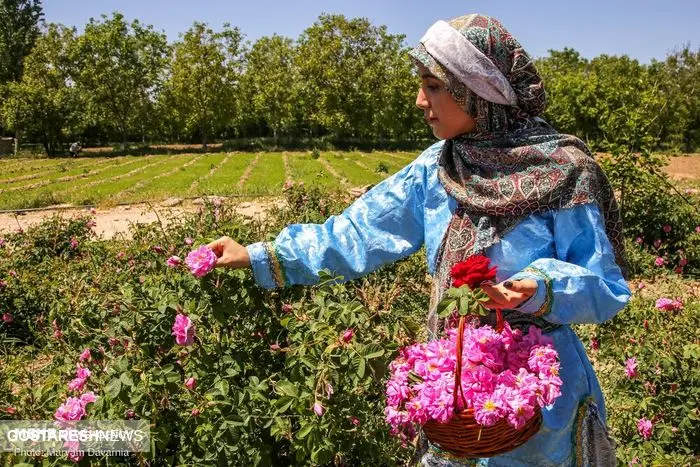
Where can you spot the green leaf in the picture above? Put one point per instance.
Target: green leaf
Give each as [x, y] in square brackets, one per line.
[113, 388]
[286, 388]
[304, 431]
[222, 386]
[322, 455]
[445, 307]
[375, 354]
[360, 366]
[464, 305]
[126, 380]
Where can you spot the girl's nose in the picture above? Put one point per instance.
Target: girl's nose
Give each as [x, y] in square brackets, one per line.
[421, 100]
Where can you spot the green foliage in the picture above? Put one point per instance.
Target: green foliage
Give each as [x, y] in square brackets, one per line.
[200, 94]
[270, 86]
[343, 94]
[118, 70]
[262, 359]
[667, 388]
[42, 106]
[649, 204]
[382, 168]
[344, 80]
[252, 402]
[19, 29]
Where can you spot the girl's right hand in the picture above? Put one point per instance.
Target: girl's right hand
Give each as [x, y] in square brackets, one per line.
[230, 253]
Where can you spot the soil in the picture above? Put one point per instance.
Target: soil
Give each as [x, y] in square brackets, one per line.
[116, 220]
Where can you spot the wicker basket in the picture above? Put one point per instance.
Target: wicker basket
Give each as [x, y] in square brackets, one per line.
[462, 436]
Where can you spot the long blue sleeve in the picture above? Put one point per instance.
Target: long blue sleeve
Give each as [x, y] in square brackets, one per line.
[382, 226]
[585, 284]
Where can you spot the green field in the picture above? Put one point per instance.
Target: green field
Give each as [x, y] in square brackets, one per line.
[31, 183]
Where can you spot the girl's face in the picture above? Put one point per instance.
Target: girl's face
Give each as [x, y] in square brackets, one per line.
[444, 115]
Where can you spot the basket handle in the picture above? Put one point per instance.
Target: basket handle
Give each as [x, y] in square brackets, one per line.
[458, 368]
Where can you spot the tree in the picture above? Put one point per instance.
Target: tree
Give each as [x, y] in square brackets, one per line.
[120, 68]
[679, 78]
[346, 68]
[204, 78]
[45, 105]
[271, 83]
[19, 29]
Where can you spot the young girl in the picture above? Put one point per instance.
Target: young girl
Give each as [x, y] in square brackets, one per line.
[503, 183]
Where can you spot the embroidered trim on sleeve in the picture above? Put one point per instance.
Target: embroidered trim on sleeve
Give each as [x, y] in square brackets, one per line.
[546, 307]
[275, 264]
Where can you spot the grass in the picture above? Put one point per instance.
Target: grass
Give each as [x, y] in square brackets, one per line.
[224, 180]
[267, 177]
[311, 171]
[27, 183]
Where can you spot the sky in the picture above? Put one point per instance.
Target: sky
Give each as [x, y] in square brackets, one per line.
[642, 29]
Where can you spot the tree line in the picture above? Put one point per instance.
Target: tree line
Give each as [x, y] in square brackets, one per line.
[341, 79]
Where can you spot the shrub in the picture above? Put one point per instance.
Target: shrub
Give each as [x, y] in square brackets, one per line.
[261, 360]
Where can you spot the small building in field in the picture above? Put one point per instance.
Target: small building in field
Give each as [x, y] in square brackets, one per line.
[7, 146]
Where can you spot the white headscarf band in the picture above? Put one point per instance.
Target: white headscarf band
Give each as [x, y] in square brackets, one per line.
[454, 51]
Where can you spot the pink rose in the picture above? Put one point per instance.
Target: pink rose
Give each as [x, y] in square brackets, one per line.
[659, 261]
[631, 368]
[668, 304]
[666, 228]
[7, 318]
[77, 384]
[191, 383]
[85, 356]
[319, 409]
[347, 335]
[72, 409]
[174, 261]
[183, 330]
[188, 241]
[81, 372]
[201, 261]
[645, 428]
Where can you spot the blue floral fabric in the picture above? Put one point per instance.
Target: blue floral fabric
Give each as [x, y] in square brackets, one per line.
[566, 251]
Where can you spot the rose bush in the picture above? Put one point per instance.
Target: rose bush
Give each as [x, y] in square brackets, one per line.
[290, 377]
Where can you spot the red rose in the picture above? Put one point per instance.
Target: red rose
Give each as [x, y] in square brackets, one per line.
[472, 272]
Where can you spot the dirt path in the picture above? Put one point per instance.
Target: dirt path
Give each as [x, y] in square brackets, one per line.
[115, 220]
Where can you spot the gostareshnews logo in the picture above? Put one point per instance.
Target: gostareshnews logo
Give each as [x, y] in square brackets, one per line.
[87, 437]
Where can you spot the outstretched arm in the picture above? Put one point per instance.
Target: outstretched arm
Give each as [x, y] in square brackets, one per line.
[382, 226]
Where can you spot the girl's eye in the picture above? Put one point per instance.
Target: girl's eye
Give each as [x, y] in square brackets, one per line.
[433, 87]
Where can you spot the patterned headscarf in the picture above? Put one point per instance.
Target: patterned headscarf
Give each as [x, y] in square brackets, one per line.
[514, 164]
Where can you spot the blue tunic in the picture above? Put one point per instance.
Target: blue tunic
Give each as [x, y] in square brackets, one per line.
[566, 251]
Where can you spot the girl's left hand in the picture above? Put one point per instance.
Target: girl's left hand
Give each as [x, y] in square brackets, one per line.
[508, 294]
